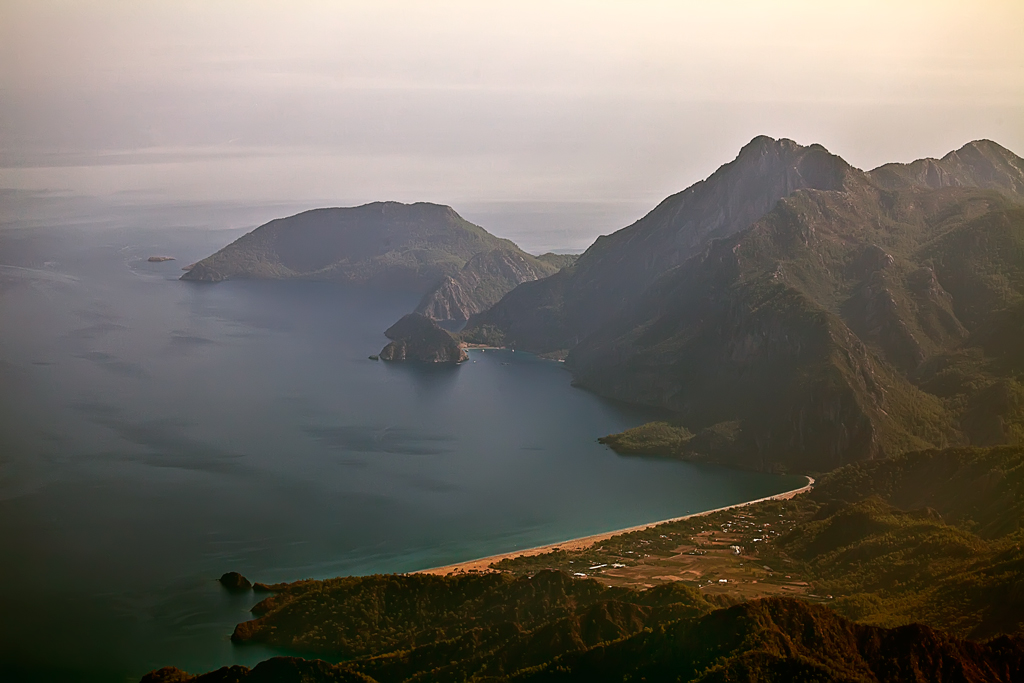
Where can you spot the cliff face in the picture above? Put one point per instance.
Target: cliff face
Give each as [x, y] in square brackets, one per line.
[484, 279]
[842, 324]
[418, 338]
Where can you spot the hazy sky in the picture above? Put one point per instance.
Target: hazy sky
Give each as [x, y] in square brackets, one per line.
[343, 103]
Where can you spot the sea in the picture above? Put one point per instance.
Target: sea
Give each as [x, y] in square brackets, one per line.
[155, 434]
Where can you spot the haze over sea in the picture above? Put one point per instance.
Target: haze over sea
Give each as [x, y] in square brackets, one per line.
[156, 433]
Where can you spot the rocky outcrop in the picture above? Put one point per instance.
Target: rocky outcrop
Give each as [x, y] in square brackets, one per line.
[203, 272]
[235, 582]
[418, 338]
[484, 280]
[609, 277]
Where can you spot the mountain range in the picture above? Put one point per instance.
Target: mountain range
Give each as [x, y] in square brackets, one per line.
[800, 313]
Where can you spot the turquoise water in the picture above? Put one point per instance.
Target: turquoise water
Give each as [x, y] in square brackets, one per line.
[155, 434]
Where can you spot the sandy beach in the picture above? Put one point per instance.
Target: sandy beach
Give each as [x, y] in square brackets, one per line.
[483, 564]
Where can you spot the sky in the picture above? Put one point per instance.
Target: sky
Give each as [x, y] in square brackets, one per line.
[483, 102]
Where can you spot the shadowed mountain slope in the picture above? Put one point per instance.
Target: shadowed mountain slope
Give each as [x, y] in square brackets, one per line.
[777, 639]
[617, 269]
[977, 488]
[812, 328]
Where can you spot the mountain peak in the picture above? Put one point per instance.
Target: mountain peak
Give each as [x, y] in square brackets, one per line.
[982, 146]
[811, 166]
[763, 144]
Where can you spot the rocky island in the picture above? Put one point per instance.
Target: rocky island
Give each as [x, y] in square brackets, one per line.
[418, 338]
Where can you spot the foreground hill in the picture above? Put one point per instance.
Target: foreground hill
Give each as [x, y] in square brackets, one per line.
[855, 317]
[459, 267]
[765, 640]
[776, 639]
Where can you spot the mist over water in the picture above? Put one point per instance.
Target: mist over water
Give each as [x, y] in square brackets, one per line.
[156, 433]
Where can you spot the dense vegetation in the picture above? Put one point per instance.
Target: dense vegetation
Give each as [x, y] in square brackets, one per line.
[786, 640]
[931, 536]
[766, 640]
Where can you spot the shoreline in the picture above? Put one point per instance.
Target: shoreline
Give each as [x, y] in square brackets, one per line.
[555, 357]
[483, 564]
